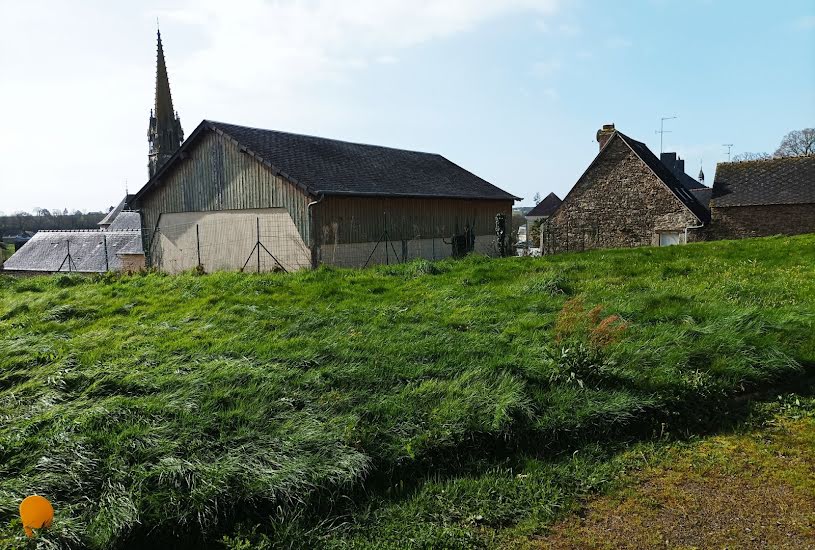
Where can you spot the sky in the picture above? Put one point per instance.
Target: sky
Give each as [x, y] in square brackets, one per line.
[512, 90]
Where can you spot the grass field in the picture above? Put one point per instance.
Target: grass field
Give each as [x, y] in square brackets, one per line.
[452, 404]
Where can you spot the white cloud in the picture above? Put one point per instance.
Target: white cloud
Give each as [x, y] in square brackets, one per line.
[79, 85]
[806, 22]
[546, 68]
[309, 40]
[618, 42]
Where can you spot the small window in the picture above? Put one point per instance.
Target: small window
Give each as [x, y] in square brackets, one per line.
[670, 238]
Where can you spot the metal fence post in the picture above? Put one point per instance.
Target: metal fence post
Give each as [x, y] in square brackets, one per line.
[198, 244]
[107, 263]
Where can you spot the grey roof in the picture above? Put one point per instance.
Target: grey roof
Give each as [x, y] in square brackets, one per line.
[703, 195]
[667, 177]
[789, 180]
[108, 219]
[331, 167]
[126, 221]
[546, 207]
[677, 167]
[47, 251]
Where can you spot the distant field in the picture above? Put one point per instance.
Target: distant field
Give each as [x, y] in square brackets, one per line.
[449, 404]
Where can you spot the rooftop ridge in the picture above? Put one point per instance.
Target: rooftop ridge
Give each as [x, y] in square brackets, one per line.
[312, 136]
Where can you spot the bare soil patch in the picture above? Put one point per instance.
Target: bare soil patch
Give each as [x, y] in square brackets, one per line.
[736, 491]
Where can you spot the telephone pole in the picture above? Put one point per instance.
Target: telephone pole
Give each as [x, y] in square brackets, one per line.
[729, 146]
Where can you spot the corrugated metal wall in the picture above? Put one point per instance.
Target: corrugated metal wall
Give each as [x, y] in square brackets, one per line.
[217, 176]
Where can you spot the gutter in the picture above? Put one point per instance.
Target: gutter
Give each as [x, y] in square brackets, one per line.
[692, 227]
[313, 229]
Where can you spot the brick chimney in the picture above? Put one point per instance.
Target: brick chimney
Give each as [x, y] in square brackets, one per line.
[604, 133]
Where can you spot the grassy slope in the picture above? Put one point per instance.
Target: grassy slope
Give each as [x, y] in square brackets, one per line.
[162, 407]
[751, 489]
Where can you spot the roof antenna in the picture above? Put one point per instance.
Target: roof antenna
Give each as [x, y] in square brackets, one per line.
[662, 131]
[729, 146]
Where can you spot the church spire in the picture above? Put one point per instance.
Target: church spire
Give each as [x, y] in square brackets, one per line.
[701, 173]
[164, 133]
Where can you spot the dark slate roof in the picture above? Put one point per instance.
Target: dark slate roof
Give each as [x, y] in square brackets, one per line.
[331, 167]
[666, 176]
[126, 221]
[47, 250]
[788, 180]
[546, 207]
[703, 195]
[108, 219]
[690, 183]
[677, 166]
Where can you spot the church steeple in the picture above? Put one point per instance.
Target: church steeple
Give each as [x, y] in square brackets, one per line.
[701, 173]
[164, 133]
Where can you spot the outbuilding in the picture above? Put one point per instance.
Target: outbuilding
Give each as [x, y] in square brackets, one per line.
[763, 197]
[240, 198]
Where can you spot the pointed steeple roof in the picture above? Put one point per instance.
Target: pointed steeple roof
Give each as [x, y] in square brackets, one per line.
[701, 174]
[164, 100]
[164, 132]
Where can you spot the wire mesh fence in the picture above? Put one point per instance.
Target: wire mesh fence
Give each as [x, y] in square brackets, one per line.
[269, 241]
[570, 237]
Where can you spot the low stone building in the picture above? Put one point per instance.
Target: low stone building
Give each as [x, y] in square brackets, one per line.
[626, 197]
[763, 197]
[117, 247]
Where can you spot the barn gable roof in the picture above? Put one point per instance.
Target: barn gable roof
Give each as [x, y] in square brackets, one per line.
[546, 207]
[323, 166]
[789, 180]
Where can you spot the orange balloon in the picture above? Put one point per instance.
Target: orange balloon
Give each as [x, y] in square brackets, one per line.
[36, 513]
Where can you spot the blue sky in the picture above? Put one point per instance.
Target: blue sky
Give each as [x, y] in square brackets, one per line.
[512, 90]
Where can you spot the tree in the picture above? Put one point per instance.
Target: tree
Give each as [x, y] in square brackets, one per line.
[751, 156]
[797, 143]
[537, 198]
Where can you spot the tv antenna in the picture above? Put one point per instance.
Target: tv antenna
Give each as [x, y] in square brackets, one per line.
[729, 146]
[662, 131]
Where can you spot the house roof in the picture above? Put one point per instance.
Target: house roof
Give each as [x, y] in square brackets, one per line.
[323, 166]
[789, 180]
[703, 195]
[546, 207]
[677, 166]
[126, 221]
[108, 219]
[665, 175]
[48, 250]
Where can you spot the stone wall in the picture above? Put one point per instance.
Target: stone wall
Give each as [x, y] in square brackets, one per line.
[739, 222]
[618, 203]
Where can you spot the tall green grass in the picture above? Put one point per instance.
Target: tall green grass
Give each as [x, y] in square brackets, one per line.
[173, 410]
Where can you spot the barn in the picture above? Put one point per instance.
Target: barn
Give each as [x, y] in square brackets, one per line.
[241, 198]
[764, 197]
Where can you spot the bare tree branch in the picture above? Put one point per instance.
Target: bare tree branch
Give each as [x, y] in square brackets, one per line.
[797, 143]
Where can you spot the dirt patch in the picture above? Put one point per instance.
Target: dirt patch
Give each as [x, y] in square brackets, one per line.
[737, 491]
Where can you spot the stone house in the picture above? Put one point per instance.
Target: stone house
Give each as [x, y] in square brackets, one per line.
[627, 197]
[763, 197]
